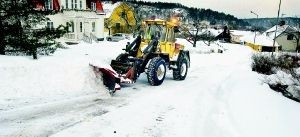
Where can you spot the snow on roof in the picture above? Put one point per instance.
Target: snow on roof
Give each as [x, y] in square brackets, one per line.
[259, 40]
[241, 33]
[108, 8]
[177, 10]
[280, 29]
[214, 32]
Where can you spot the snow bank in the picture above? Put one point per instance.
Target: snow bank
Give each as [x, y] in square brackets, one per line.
[65, 74]
[258, 111]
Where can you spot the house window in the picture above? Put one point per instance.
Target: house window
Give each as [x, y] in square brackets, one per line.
[80, 4]
[72, 4]
[70, 26]
[67, 4]
[93, 6]
[80, 26]
[290, 37]
[118, 25]
[72, 23]
[123, 14]
[75, 4]
[49, 4]
[93, 26]
[50, 25]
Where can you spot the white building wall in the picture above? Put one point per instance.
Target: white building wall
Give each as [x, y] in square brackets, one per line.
[100, 27]
[57, 20]
[85, 17]
[287, 45]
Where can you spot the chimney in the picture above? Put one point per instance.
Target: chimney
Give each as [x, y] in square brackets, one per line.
[281, 23]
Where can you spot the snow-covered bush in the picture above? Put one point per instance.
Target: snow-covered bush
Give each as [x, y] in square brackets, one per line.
[283, 73]
[287, 61]
[262, 63]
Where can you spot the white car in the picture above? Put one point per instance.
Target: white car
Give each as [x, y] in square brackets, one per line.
[117, 37]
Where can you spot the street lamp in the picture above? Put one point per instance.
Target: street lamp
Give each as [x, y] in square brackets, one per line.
[254, 28]
[276, 26]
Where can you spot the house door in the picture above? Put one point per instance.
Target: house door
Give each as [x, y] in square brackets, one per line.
[86, 28]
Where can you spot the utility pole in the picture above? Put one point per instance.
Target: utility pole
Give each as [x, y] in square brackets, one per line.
[254, 28]
[276, 27]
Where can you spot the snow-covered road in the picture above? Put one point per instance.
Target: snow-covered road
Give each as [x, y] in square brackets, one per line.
[221, 97]
[194, 107]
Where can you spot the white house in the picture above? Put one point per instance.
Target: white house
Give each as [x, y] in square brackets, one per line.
[286, 36]
[85, 18]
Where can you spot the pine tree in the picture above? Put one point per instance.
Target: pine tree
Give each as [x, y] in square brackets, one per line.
[3, 25]
[26, 28]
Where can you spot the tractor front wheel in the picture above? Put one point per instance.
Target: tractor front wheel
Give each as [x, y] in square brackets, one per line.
[182, 68]
[156, 71]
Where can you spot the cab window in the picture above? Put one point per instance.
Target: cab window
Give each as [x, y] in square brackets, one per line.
[154, 30]
[170, 35]
[163, 34]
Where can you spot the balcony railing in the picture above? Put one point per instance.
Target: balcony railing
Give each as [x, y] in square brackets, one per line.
[70, 36]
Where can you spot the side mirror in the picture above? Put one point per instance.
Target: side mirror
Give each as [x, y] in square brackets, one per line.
[127, 45]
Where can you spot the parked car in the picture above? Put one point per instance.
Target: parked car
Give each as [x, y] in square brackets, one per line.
[117, 37]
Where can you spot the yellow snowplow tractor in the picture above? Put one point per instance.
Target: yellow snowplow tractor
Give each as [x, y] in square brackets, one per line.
[153, 51]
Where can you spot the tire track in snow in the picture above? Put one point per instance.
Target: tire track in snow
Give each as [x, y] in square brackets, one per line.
[217, 119]
[49, 118]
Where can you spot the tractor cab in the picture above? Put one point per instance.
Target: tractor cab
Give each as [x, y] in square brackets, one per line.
[164, 33]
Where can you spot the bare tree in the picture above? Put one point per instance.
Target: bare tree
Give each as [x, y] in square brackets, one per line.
[108, 25]
[194, 33]
[196, 26]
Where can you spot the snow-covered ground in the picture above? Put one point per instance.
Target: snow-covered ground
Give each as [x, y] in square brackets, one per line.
[58, 96]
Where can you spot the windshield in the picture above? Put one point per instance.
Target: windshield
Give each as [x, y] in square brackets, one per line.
[154, 30]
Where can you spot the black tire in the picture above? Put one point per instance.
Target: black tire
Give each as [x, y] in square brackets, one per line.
[109, 39]
[156, 71]
[182, 68]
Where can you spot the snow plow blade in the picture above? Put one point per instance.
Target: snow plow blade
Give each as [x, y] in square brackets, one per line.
[111, 79]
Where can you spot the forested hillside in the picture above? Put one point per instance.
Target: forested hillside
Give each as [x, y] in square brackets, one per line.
[266, 23]
[166, 10]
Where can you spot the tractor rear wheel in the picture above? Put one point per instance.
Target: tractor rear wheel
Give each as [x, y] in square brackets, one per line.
[156, 71]
[182, 68]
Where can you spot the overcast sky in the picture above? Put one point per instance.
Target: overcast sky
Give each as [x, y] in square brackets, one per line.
[242, 8]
